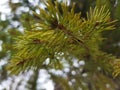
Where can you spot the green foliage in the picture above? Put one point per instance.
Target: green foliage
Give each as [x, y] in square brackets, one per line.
[118, 10]
[103, 2]
[60, 31]
[62, 36]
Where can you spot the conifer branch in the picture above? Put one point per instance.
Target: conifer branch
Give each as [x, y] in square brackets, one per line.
[60, 30]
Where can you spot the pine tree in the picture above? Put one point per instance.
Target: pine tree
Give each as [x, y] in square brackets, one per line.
[61, 38]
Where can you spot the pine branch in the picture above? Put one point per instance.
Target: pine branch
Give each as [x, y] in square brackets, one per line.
[60, 31]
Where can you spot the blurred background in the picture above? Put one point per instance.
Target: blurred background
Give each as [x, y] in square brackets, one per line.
[16, 16]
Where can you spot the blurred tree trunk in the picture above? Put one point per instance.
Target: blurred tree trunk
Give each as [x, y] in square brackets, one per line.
[33, 80]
